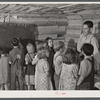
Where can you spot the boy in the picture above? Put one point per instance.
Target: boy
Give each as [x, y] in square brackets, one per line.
[15, 60]
[86, 71]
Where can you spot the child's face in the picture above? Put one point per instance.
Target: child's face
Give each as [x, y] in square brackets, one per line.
[50, 43]
[85, 29]
[30, 48]
[62, 49]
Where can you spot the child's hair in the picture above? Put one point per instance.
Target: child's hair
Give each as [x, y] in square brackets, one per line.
[89, 23]
[87, 49]
[59, 45]
[41, 45]
[47, 39]
[3, 51]
[42, 50]
[47, 43]
[42, 53]
[70, 57]
[15, 41]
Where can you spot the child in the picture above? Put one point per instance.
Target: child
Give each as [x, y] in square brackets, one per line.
[69, 73]
[4, 70]
[50, 46]
[30, 69]
[42, 75]
[59, 47]
[39, 45]
[86, 71]
[15, 60]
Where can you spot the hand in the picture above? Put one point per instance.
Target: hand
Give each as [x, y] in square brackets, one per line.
[18, 56]
[77, 84]
[24, 68]
[26, 63]
[35, 56]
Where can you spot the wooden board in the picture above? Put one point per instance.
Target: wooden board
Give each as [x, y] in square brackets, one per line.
[86, 12]
[77, 22]
[39, 21]
[72, 36]
[44, 36]
[74, 17]
[52, 29]
[73, 29]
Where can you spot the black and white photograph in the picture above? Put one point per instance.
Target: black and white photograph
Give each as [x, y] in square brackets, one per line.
[51, 46]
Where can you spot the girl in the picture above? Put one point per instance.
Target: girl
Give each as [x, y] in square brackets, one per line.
[30, 69]
[39, 45]
[4, 69]
[42, 75]
[50, 46]
[68, 77]
[59, 48]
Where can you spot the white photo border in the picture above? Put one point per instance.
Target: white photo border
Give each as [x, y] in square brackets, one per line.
[49, 94]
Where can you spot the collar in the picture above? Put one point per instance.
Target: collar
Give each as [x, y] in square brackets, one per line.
[2, 55]
[87, 57]
[15, 47]
[31, 53]
[86, 35]
[58, 53]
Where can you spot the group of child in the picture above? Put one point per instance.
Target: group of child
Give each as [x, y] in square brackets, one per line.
[46, 66]
[71, 73]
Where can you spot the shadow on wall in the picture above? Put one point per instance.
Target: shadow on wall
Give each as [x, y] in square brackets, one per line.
[71, 44]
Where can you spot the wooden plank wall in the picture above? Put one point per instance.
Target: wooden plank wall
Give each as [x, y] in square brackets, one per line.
[73, 30]
[93, 15]
[63, 24]
[13, 30]
[75, 24]
[47, 27]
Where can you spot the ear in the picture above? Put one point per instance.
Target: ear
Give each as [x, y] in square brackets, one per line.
[92, 30]
[11, 44]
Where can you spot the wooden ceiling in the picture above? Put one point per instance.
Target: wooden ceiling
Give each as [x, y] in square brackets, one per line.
[61, 11]
[41, 9]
